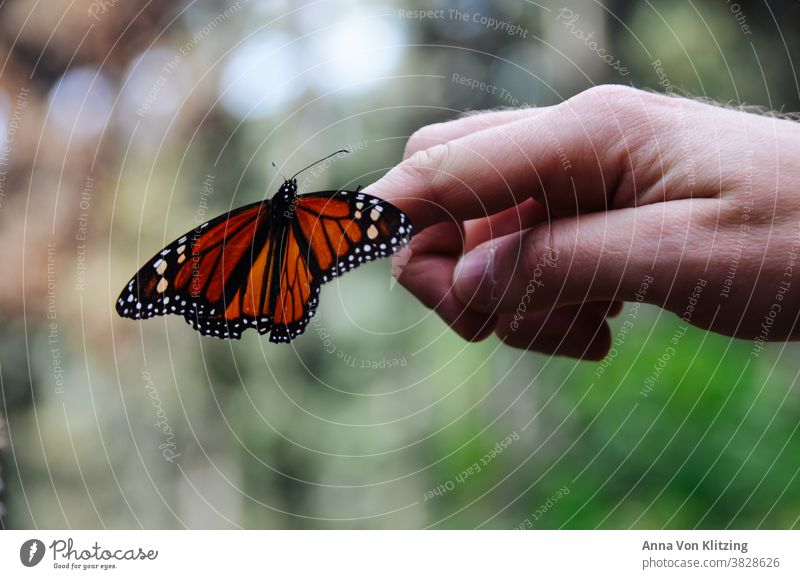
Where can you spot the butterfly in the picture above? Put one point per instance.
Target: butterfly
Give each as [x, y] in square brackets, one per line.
[261, 265]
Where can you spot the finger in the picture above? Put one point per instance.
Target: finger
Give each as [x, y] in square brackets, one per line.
[568, 156]
[523, 216]
[438, 133]
[594, 257]
[575, 331]
[428, 273]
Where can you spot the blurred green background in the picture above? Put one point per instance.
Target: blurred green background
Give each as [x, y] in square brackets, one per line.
[126, 123]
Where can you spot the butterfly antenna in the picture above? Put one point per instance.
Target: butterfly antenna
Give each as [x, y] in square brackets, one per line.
[274, 164]
[320, 161]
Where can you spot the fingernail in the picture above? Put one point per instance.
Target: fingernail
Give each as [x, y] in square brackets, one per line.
[473, 279]
[399, 262]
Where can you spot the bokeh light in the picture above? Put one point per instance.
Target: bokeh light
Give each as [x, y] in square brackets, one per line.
[355, 53]
[80, 103]
[261, 77]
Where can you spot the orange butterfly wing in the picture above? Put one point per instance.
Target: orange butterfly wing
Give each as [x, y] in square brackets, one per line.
[345, 229]
[242, 270]
[214, 276]
[297, 290]
[332, 232]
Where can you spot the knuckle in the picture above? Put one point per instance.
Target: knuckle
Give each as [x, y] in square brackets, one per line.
[606, 94]
[534, 265]
[426, 178]
[422, 139]
[435, 157]
[427, 165]
[539, 248]
[611, 105]
[618, 120]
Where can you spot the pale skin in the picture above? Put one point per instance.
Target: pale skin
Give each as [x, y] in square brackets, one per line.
[535, 224]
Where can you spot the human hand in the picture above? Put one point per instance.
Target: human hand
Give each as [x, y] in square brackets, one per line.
[536, 223]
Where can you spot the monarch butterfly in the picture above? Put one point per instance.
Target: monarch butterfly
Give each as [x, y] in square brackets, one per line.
[261, 265]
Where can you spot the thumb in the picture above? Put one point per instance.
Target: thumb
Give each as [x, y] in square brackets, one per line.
[662, 248]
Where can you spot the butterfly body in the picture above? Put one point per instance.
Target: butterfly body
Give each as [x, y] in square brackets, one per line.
[261, 266]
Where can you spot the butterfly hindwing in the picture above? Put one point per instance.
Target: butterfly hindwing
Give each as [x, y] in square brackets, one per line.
[296, 288]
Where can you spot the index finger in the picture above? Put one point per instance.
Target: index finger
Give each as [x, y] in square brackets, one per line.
[493, 169]
[437, 133]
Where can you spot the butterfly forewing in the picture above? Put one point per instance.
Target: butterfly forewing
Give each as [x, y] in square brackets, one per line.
[345, 229]
[198, 274]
